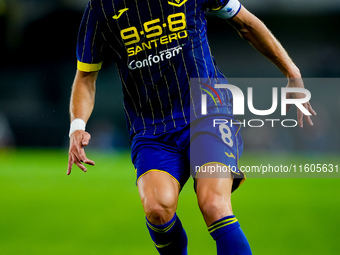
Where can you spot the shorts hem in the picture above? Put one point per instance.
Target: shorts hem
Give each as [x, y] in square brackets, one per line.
[156, 170]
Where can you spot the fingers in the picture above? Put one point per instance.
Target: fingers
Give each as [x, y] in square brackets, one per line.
[80, 165]
[311, 110]
[89, 162]
[74, 159]
[70, 163]
[82, 156]
[77, 154]
[308, 118]
[81, 152]
[300, 118]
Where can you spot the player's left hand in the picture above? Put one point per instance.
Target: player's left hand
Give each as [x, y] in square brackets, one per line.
[298, 83]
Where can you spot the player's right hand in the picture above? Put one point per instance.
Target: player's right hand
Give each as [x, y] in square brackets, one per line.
[78, 140]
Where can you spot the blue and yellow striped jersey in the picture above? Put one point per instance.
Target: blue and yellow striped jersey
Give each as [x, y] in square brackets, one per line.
[158, 46]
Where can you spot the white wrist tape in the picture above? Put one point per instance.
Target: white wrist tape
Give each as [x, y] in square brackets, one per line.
[77, 124]
[229, 11]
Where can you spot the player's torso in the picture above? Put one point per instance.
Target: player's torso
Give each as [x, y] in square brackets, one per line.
[158, 45]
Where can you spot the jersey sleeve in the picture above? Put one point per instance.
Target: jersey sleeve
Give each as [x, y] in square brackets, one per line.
[225, 9]
[90, 43]
[214, 5]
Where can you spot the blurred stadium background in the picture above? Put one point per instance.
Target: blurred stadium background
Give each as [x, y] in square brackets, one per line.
[44, 212]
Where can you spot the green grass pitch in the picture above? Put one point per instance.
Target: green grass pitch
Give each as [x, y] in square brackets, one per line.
[43, 211]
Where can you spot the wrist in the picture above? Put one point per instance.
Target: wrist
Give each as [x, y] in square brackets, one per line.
[293, 73]
[77, 124]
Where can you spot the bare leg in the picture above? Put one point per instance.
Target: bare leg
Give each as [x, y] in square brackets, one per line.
[213, 196]
[159, 195]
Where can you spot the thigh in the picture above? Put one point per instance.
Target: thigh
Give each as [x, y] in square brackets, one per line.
[160, 176]
[215, 151]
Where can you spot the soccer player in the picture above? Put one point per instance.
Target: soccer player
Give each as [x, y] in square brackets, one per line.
[159, 46]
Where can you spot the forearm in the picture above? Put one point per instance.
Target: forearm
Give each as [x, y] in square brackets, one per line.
[83, 95]
[258, 35]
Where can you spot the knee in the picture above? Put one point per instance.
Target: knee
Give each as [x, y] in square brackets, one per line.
[160, 211]
[214, 207]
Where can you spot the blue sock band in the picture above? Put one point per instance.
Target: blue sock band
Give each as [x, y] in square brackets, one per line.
[229, 237]
[169, 238]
